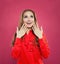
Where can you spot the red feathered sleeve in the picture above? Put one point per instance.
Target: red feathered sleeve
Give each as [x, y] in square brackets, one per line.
[16, 49]
[44, 47]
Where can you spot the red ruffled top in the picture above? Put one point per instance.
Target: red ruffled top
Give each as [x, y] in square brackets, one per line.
[26, 51]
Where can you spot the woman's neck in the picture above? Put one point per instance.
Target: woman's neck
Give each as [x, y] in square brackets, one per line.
[28, 30]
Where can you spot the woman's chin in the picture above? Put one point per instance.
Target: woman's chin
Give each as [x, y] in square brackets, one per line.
[29, 27]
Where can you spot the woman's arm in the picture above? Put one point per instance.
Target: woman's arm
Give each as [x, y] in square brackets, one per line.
[45, 51]
[16, 49]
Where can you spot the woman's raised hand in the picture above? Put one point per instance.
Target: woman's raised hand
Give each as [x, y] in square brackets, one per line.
[22, 31]
[37, 31]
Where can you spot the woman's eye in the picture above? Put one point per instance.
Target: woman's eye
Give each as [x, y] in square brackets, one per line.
[31, 16]
[25, 16]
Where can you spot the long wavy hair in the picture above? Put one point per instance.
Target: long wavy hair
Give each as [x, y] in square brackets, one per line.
[21, 23]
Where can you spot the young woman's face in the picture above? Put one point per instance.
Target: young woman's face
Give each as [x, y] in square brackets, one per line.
[28, 19]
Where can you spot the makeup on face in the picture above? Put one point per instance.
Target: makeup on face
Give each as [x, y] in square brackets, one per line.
[28, 19]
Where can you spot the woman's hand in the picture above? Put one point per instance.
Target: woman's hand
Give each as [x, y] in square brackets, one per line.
[38, 32]
[21, 32]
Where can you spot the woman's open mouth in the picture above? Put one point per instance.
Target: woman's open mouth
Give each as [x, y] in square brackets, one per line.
[29, 23]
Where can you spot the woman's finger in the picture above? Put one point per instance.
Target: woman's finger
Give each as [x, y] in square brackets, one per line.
[33, 28]
[34, 25]
[37, 25]
[22, 26]
[17, 30]
[41, 29]
[25, 28]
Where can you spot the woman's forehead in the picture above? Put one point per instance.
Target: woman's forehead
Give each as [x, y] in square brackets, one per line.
[28, 13]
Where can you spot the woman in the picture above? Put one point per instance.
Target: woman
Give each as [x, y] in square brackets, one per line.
[29, 45]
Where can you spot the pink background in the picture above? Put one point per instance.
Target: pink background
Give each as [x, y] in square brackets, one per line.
[48, 15]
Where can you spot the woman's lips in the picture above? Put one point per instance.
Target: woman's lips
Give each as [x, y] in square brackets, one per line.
[28, 23]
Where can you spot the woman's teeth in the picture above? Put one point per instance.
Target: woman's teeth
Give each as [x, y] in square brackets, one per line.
[28, 23]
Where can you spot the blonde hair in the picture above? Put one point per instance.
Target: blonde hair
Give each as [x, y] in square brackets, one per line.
[21, 22]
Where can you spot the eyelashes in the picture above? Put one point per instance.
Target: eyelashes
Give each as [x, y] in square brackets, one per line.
[27, 16]
[31, 16]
